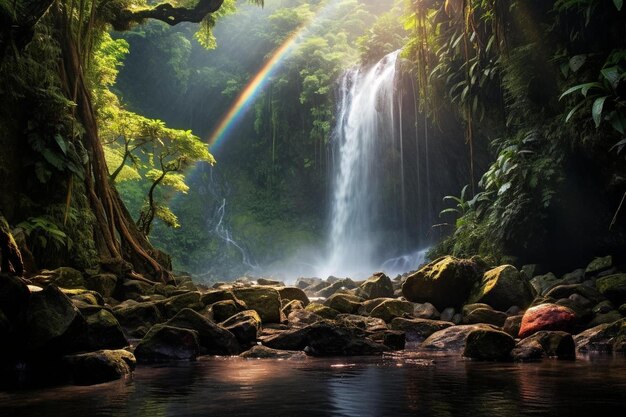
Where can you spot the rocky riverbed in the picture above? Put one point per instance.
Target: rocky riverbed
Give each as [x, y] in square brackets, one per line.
[71, 327]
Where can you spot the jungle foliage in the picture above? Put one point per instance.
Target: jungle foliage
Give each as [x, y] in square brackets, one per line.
[543, 83]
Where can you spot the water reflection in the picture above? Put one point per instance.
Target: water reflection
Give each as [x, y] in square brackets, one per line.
[393, 386]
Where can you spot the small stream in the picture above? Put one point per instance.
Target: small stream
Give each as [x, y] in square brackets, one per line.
[365, 386]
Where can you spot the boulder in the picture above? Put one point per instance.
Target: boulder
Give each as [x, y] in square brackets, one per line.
[427, 311]
[212, 338]
[371, 324]
[302, 318]
[166, 343]
[553, 344]
[172, 305]
[547, 317]
[245, 326]
[292, 306]
[452, 339]
[104, 284]
[613, 287]
[325, 338]
[512, 325]
[342, 284]
[503, 287]
[541, 283]
[263, 352]
[132, 289]
[418, 329]
[485, 315]
[608, 317]
[322, 310]
[446, 314]
[100, 366]
[599, 265]
[103, 330]
[304, 283]
[344, 303]
[601, 338]
[527, 350]
[392, 308]
[378, 285]
[213, 296]
[66, 277]
[567, 290]
[53, 323]
[293, 293]
[392, 339]
[270, 282]
[137, 318]
[369, 305]
[264, 300]
[222, 310]
[488, 345]
[445, 282]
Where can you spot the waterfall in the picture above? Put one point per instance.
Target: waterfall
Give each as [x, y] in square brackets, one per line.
[368, 133]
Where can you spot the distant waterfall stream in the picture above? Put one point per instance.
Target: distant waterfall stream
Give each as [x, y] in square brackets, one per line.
[368, 213]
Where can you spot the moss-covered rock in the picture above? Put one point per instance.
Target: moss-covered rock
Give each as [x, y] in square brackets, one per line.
[264, 300]
[66, 277]
[392, 308]
[101, 366]
[488, 345]
[445, 282]
[613, 287]
[172, 305]
[342, 284]
[485, 315]
[418, 329]
[213, 339]
[344, 303]
[103, 330]
[104, 284]
[599, 265]
[293, 293]
[378, 285]
[322, 310]
[53, 323]
[137, 318]
[166, 343]
[542, 283]
[302, 318]
[503, 287]
[222, 310]
[245, 326]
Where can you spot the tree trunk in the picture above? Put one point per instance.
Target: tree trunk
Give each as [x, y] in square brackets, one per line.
[117, 237]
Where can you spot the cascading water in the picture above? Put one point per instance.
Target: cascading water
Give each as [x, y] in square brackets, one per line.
[368, 176]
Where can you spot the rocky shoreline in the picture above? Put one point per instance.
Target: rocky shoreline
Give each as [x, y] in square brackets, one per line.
[69, 327]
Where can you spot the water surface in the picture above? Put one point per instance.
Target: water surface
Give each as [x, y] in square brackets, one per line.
[392, 386]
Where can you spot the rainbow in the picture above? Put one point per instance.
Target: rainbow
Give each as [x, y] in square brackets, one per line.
[257, 83]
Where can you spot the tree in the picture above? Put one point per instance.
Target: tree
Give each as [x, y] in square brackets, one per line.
[76, 29]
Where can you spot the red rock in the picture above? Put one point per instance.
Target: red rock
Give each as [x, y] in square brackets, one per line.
[546, 317]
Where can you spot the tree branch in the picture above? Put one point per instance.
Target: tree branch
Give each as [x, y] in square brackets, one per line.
[167, 13]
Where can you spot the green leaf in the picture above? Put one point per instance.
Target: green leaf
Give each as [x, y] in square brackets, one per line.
[61, 142]
[612, 75]
[596, 110]
[577, 61]
[573, 111]
[618, 4]
[583, 87]
[504, 188]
